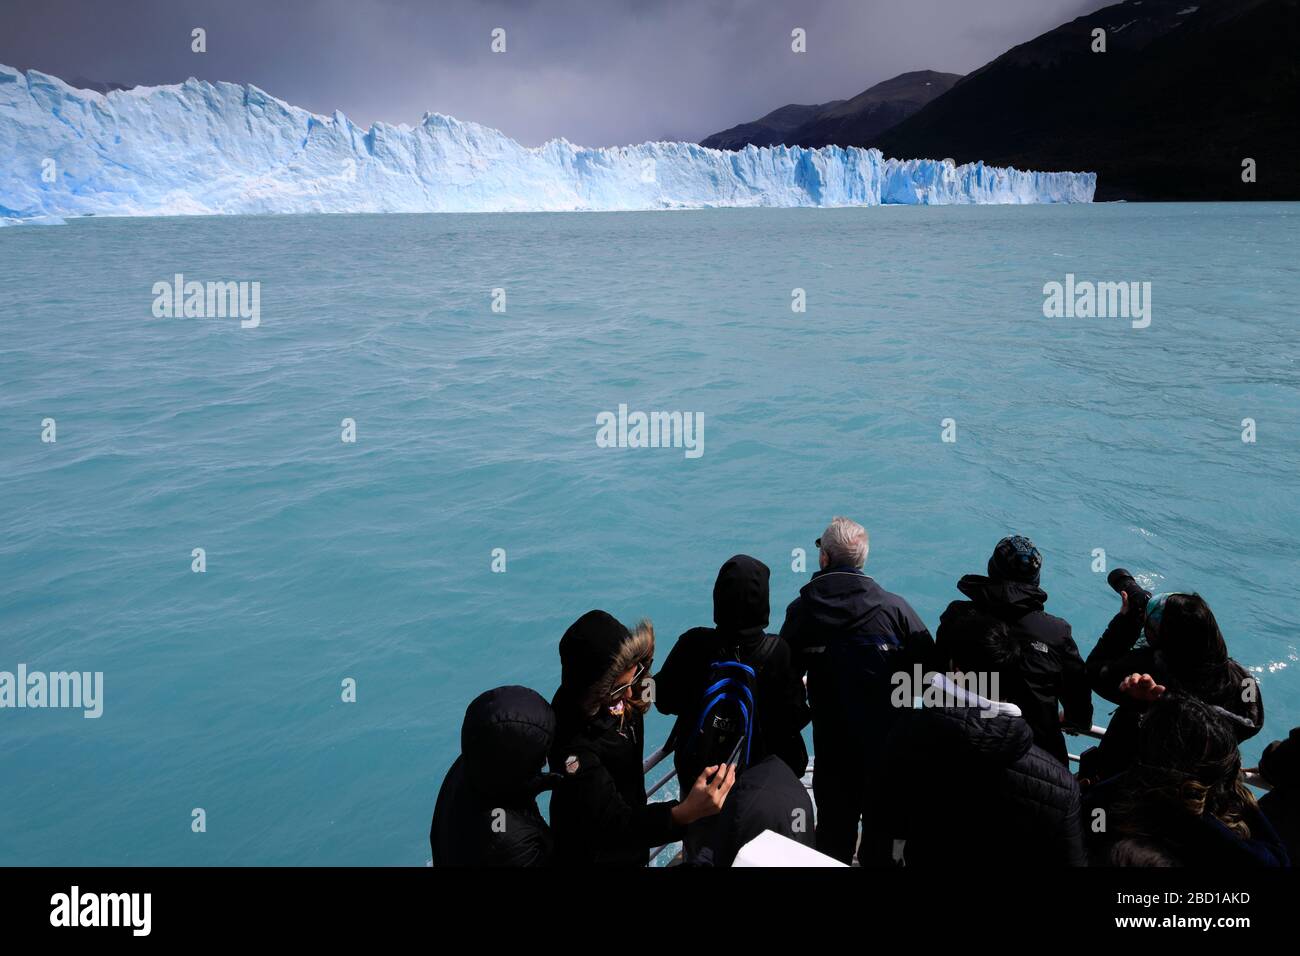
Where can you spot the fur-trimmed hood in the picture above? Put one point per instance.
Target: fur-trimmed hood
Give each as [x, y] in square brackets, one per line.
[594, 651]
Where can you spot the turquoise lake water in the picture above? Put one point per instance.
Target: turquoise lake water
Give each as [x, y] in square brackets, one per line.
[476, 430]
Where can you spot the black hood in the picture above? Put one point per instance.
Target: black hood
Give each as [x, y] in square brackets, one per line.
[504, 741]
[740, 600]
[996, 594]
[765, 797]
[965, 736]
[594, 651]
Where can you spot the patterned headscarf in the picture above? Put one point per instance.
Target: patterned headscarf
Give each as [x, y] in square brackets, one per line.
[1016, 559]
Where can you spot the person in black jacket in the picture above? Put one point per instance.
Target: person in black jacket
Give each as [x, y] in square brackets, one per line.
[767, 796]
[1052, 671]
[740, 611]
[1184, 797]
[1184, 650]
[1280, 766]
[486, 814]
[964, 784]
[850, 636]
[599, 812]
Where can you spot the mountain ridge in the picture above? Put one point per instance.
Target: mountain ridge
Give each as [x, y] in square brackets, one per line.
[862, 116]
[1185, 92]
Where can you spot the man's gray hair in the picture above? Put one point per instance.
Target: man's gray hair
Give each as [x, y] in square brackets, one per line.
[845, 543]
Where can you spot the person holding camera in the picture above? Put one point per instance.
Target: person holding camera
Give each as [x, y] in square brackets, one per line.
[1155, 644]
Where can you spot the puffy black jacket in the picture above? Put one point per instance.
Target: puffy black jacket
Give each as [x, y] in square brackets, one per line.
[850, 636]
[740, 609]
[768, 796]
[974, 791]
[486, 814]
[1117, 655]
[1052, 672]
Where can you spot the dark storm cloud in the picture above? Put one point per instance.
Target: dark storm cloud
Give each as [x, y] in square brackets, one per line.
[597, 72]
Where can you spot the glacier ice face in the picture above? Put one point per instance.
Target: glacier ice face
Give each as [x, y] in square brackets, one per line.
[199, 148]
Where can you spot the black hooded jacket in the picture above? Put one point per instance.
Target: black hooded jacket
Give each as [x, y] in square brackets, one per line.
[971, 791]
[486, 814]
[850, 636]
[1052, 671]
[1120, 653]
[599, 811]
[740, 610]
[768, 796]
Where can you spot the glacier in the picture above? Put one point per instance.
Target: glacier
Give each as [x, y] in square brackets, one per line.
[199, 148]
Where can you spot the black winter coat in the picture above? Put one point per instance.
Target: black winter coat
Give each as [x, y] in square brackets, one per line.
[740, 600]
[599, 811]
[1052, 672]
[966, 790]
[486, 814]
[1119, 654]
[850, 636]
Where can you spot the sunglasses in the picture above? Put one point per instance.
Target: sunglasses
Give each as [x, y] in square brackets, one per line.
[618, 692]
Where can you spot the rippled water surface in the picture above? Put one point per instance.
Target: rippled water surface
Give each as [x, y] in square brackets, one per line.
[476, 430]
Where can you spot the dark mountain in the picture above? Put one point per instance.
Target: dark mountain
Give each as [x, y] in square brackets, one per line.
[771, 130]
[872, 112]
[866, 115]
[1186, 90]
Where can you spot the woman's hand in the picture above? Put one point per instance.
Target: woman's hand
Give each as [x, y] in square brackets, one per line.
[1142, 688]
[707, 795]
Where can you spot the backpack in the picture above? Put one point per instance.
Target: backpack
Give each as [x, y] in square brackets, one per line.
[727, 730]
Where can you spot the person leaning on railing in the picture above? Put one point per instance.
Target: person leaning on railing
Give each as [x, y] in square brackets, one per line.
[1052, 686]
[599, 811]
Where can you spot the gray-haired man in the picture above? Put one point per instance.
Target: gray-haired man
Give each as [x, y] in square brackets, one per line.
[851, 636]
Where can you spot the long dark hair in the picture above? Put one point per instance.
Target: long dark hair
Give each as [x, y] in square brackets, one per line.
[1193, 650]
[1188, 764]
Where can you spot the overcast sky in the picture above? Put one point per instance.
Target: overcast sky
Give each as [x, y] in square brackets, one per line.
[598, 72]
